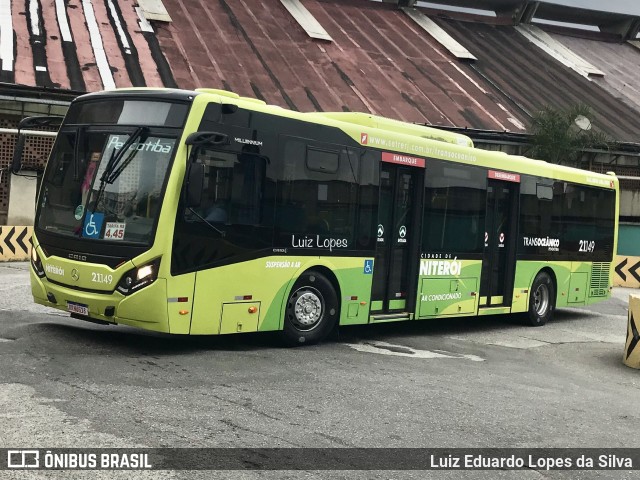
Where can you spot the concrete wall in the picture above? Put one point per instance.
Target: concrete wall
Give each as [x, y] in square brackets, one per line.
[630, 203]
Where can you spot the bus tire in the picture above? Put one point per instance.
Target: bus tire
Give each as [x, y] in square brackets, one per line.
[312, 310]
[542, 300]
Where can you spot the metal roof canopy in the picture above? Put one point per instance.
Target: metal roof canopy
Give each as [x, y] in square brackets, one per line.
[26, 93]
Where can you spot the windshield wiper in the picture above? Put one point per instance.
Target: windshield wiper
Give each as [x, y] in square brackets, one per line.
[111, 173]
[116, 165]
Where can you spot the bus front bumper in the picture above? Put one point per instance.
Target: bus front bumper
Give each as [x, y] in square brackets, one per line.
[146, 308]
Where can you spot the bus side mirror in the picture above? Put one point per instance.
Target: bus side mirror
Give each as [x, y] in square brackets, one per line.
[16, 162]
[195, 185]
[30, 122]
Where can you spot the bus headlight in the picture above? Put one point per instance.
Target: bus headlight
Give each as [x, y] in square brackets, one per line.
[137, 278]
[36, 263]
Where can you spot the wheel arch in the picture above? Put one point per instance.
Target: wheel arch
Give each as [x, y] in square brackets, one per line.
[313, 307]
[552, 274]
[538, 314]
[324, 270]
[327, 272]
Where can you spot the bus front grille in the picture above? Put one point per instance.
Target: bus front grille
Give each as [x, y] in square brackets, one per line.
[600, 279]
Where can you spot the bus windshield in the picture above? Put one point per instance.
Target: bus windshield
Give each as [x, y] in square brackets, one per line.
[105, 185]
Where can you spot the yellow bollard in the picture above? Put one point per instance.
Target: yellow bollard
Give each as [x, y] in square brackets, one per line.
[631, 357]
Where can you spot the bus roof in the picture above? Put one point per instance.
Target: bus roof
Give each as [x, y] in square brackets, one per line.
[396, 136]
[375, 121]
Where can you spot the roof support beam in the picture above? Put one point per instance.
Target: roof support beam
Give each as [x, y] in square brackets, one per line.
[401, 3]
[520, 13]
[627, 29]
[529, 11]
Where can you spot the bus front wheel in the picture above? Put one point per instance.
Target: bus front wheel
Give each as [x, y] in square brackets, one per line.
[312, 310]
[542, 300]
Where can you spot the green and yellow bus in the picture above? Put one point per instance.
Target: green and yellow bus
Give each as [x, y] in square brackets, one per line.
[203, 212]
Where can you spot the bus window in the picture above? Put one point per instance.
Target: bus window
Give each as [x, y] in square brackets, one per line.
[322, 160]
[544, 192]
[124, 195]
[588, 220]
[536, 206]
[580, 217]
[233, 187]
[128, 112]
[454, 209]
[318, 192]
[229, 221]
[369, 181]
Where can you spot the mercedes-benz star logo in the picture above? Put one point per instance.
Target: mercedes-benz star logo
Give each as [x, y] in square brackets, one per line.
[74, 274]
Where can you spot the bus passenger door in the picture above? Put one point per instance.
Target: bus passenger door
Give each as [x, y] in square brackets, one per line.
[499, 257]
[397, 256]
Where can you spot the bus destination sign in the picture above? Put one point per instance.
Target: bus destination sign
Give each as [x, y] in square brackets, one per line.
[506, 176]
[402, 159]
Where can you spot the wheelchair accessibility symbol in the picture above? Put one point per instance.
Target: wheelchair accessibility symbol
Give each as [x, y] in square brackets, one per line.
[368, 267]
[92, 225]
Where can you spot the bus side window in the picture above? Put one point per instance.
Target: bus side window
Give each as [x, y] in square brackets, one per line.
[233, 187]
[454, 208]
[317, 191]
[247, 189]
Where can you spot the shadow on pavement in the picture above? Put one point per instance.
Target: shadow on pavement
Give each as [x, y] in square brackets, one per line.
[76, 335]
[454, 325]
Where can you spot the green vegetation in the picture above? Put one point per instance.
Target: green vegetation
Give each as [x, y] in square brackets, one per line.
[562, 135]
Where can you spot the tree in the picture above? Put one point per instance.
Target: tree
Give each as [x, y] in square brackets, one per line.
[561, 135]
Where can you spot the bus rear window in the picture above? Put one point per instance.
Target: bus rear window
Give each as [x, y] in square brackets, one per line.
[128, 112]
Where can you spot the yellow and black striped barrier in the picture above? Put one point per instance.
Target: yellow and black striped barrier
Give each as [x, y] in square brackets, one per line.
[631, 357]
[627, 271]
[15, 243]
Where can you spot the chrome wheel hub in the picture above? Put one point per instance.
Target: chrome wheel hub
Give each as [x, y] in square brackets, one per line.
[308, 309]
[541, 300]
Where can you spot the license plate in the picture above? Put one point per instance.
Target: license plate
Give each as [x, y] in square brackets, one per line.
[78, 308]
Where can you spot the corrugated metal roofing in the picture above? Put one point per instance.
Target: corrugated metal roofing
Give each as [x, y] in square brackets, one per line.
[379, 61]
[80, 45]
[619, 62]
[531, 79]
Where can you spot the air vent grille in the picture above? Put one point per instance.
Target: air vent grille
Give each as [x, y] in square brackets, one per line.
[600, 279]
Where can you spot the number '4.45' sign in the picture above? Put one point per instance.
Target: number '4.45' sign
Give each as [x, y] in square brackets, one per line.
[114, 231]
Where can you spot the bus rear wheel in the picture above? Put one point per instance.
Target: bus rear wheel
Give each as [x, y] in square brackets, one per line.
[542, 300]
[312, 310]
